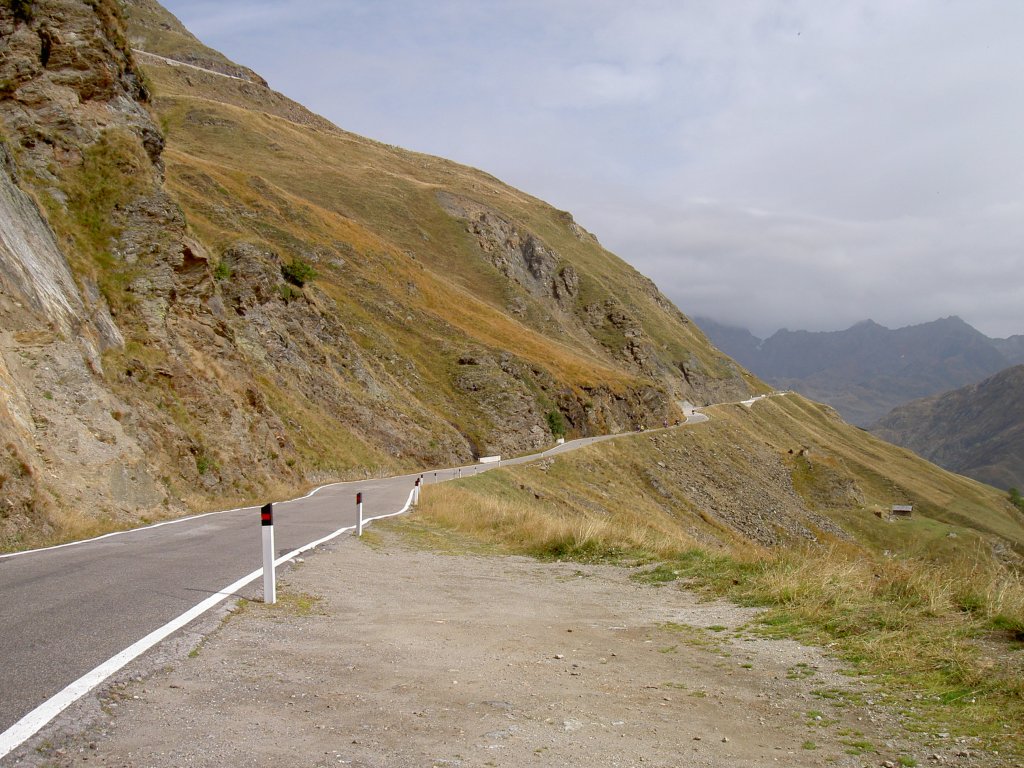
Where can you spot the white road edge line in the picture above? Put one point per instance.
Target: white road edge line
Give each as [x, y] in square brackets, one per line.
[29, 725]
[254, 506]
[178, 520]
[552, 449]
[39, 717]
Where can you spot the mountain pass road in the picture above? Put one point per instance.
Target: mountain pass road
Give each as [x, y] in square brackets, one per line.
[66, 610]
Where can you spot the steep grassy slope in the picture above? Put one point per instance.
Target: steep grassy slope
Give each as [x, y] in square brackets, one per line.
[977, 430]
[784, 471]
[932, 606]
[251, 299]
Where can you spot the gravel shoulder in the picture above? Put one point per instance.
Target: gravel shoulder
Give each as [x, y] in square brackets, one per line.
[391, 655]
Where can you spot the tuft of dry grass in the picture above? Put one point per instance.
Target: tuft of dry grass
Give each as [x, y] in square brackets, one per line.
[531, 529]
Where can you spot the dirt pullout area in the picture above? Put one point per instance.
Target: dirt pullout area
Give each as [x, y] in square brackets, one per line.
[415, 658]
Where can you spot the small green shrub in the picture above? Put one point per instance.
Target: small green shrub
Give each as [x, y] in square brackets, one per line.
[556, 423]
[1016, 499]
[22, 9]
[222, 271]
[298, 272]
[204, 464]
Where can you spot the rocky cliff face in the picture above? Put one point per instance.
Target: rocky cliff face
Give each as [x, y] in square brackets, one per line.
[67, 80]
[194, 313]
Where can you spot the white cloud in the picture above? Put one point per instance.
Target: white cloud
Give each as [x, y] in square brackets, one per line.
[798, 164]
[596, 84]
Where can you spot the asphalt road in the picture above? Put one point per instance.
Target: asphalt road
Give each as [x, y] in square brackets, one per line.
[66, 610]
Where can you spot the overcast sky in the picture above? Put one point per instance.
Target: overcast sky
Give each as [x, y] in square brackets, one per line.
[798, 164]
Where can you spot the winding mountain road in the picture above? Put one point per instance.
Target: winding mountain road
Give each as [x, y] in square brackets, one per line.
[72, 615]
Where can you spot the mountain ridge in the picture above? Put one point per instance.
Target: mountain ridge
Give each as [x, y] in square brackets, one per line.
[977, 430]
[867, 369]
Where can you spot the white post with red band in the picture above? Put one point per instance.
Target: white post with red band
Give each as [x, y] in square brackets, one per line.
[359, 507]
[269, 582]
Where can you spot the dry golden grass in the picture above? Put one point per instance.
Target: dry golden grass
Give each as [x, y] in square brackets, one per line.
[926, 614]
[947, 635]
[380, 199]
[533, 529]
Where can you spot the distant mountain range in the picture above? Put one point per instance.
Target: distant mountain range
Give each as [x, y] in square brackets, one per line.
[867, 370]
[976, 431]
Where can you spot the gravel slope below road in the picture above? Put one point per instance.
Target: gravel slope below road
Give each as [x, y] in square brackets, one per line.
[414, 658]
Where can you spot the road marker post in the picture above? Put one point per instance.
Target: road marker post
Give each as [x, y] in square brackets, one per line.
[359, 508]
[416, 494]
[269, 582]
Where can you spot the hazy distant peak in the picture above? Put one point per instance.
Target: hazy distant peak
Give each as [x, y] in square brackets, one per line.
[868, 369]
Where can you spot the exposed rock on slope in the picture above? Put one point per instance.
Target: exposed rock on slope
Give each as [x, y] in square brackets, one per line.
[69, 442]
[158, 351]
[977, 431]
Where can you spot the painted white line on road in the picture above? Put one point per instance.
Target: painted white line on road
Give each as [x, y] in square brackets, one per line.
[176, 521]
[693, 418]
[564, 448]
[30, 724]
[121, 533]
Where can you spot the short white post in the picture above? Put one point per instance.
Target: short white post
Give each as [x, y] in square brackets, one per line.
[416, 494]
[359, 507]
[269, 582]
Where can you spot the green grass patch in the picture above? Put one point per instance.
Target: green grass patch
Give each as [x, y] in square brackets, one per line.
[113, 172]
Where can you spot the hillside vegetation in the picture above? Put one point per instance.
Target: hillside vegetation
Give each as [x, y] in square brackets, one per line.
[242, 299]
[933, 606]
[977, 430]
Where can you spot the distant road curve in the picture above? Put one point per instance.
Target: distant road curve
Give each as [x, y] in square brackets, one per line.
[176, 63]
[74, 614]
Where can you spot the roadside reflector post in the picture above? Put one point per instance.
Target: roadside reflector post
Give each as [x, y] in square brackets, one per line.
[269, 582]
[416, 494]
[359, 509]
